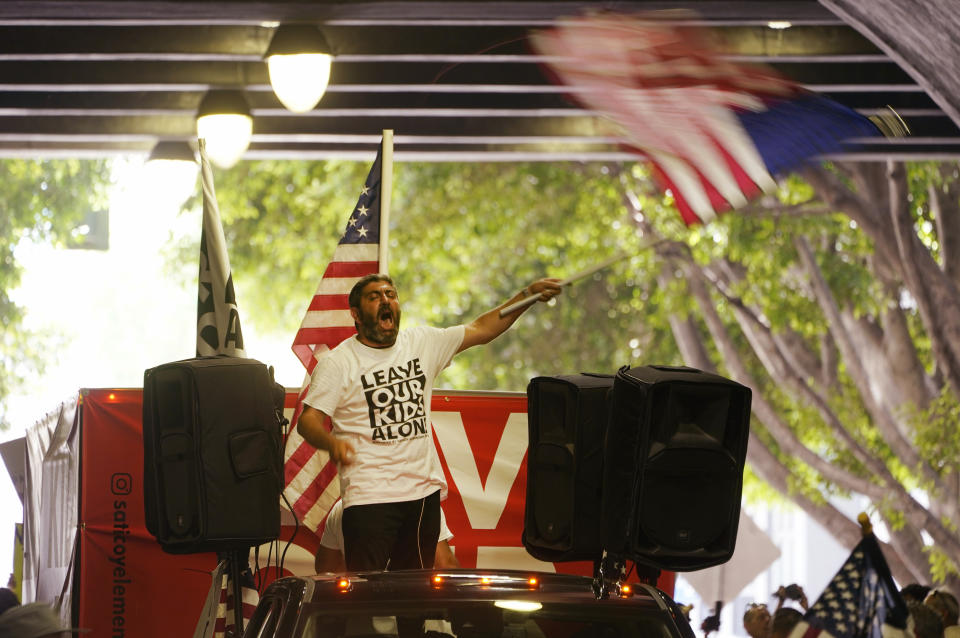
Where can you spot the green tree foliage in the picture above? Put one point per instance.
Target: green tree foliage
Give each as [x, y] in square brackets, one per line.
[43, 201]
[836, 300]
[463, 239]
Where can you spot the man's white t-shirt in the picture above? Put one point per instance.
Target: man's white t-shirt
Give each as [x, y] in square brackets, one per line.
[332, 537]
[379, 401]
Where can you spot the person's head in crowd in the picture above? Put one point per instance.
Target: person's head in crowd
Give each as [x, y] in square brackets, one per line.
[783, 622]
[712, 623]
[914, 593]
[945, 604]
[33, 620]
[756, 620]
[924, 622]
[8, 599]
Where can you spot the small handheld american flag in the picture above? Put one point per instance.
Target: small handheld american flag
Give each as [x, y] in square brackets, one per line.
[861, 601]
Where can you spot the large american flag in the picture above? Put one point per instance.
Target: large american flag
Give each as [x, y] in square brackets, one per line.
[311, 482]
[715, 131]
[861, 601]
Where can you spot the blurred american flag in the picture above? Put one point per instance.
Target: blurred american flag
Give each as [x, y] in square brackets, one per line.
[716, 131]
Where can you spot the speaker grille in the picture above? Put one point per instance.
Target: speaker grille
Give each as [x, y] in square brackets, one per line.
[687, 497]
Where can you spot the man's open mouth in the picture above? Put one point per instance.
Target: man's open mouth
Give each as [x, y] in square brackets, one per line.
[386, 319]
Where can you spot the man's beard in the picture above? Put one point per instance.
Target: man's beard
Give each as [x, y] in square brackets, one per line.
[371, 329]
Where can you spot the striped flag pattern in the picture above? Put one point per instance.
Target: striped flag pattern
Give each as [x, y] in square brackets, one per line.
[225, 617]
[715, 131]
[311, 482]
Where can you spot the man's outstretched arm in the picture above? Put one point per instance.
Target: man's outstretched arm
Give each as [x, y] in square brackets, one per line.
[491, 325]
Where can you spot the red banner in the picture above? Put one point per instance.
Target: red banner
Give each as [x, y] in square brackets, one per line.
[128, 586]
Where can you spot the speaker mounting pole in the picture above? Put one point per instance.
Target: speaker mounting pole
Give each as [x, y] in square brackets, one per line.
[237, 561]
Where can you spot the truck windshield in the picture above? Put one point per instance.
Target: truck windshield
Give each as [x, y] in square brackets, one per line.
[485, 619]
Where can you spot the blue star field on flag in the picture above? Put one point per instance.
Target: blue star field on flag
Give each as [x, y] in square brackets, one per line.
[861, 599]
[363, 227]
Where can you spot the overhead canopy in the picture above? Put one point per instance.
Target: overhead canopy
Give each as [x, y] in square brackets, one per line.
[454, 79]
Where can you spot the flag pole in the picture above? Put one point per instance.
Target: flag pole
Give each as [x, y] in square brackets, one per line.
[532, 299]
[386, 188]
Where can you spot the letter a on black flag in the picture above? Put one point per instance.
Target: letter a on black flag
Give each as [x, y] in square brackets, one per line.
[218, 321]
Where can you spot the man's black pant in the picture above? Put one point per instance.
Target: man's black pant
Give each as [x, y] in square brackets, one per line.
[384, 536]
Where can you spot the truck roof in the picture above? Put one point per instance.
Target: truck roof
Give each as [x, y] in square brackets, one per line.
[465, 603]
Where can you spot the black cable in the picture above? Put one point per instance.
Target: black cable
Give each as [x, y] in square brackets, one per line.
[256, 570]
[296, 528]
[270, 554]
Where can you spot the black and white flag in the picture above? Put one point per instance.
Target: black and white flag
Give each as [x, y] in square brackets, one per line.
[218, 321]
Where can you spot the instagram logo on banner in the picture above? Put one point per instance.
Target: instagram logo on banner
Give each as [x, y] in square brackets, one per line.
[121, 483]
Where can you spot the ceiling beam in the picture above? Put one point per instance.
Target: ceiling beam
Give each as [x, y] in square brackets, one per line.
[346, 12]
[249, 42]
[153, 75]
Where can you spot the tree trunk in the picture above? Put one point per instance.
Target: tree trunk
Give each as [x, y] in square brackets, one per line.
[857, 370]
[847, 532]
[771, 470]
[944, 207]
[937, 299]
[787, 439]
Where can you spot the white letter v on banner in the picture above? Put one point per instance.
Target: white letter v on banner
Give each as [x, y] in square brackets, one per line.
[484, 503]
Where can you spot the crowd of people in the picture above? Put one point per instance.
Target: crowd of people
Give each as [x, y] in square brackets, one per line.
[760, 623]
[932, 613]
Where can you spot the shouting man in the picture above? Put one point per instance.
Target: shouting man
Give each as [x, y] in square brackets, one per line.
[376, 390]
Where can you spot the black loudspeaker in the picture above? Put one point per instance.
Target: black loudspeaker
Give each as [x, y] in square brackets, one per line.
[566, 419]
[673, 475]
[212, 455]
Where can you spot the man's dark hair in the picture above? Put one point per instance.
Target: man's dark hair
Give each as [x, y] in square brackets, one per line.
[354, 299]
[926, 621]
[753, 608]
[8, 599]
[915, 591]
[783, 622]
